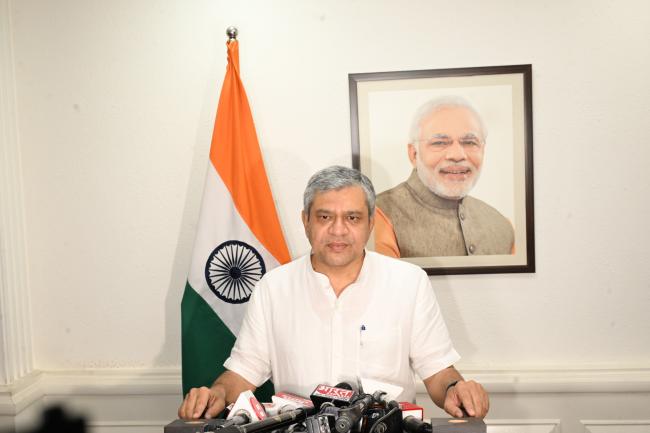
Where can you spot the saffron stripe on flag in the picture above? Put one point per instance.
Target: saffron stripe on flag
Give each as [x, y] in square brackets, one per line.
[241, 167]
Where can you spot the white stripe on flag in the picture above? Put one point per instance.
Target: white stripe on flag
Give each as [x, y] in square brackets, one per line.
[219, 221]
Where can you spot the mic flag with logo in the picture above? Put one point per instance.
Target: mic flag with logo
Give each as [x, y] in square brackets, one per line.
[238, 236]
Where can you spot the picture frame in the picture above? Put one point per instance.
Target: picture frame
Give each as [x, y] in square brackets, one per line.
[382, 107]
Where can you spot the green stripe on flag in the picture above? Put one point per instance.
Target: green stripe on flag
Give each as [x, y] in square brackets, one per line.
[206, 344]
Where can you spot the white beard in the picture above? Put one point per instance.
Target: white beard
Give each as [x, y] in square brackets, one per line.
[454, 190]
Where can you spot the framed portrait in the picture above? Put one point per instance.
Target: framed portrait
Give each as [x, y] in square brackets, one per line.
[450, 154]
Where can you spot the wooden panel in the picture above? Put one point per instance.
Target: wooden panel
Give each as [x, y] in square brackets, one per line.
[617, 426]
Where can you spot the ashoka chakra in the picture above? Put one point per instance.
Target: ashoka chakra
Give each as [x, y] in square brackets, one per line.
[232, 270]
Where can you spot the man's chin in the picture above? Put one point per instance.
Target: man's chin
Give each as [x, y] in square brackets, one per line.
[338, 261]
[335, 260]
[451, 193]
[451, 189]
[446, 188]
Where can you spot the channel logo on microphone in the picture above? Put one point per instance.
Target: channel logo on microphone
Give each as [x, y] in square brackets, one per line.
[331, 392]
[340, 395]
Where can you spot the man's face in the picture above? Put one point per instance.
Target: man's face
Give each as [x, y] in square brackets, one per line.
[449, 153]
[338, 227]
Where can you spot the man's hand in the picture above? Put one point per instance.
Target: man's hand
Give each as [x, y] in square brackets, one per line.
[205, 401]
[209, 402]
[471, 396]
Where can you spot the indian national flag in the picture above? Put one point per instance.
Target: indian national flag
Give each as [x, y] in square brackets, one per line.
[238, 236]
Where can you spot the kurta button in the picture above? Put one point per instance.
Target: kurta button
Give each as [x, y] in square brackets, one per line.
[462, 216]
[472, 248]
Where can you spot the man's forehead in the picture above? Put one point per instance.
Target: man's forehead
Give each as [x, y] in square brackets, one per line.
[469, 134]
[347, 199]
[453, 117]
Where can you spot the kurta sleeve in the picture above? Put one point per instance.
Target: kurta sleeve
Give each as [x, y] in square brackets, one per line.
[250, 355]
[431, 348]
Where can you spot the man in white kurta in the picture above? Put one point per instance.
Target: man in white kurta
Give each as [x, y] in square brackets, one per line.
[341, 313]
[384, 326]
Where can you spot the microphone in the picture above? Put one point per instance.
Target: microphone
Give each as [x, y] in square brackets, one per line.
[410, 409]
[392, 391]
[319, 423]
[411, 424]
[248, 406]
[381, 397]
[351, 415]
[270, 424]
[296, 400]
[385, 416]
[340, 395]
[240, 418]
[284, 402]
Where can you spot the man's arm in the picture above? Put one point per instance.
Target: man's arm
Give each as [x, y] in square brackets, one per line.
[207, 402]
[450, 391]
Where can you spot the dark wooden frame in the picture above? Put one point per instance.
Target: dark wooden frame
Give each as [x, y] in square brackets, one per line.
[525, 71]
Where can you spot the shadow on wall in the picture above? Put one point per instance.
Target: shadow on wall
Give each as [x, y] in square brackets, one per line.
[56, 420]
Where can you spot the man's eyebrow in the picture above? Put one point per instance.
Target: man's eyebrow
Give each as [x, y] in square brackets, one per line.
[470, 135]
[440, 135]
[322, 211]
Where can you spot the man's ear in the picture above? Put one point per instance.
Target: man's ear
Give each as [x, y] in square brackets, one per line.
[305, 218]
[412, 153]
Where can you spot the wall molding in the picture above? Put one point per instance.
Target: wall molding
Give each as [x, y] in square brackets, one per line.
[15, 320]
[558, 380]
[608, 422]
[618, 425]
[21, 394]
[167, 381]
[162, 381]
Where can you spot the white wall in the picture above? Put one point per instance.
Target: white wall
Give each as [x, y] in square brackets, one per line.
[114, 108]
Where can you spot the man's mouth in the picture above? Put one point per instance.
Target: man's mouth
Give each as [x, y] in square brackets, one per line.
[337, 246]
[457, 173]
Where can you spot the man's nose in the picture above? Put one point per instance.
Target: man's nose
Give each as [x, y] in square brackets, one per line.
[455, 152]
[338, 226]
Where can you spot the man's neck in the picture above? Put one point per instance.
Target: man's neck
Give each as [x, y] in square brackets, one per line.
[340, 276]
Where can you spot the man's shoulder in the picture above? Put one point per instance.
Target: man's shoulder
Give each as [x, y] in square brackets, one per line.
[395, 279]
[395, 193]
[393, 200]
[287, 270]
[390, 265]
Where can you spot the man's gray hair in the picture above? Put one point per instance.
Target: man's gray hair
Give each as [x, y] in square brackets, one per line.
[436, 104]
[335, 178]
